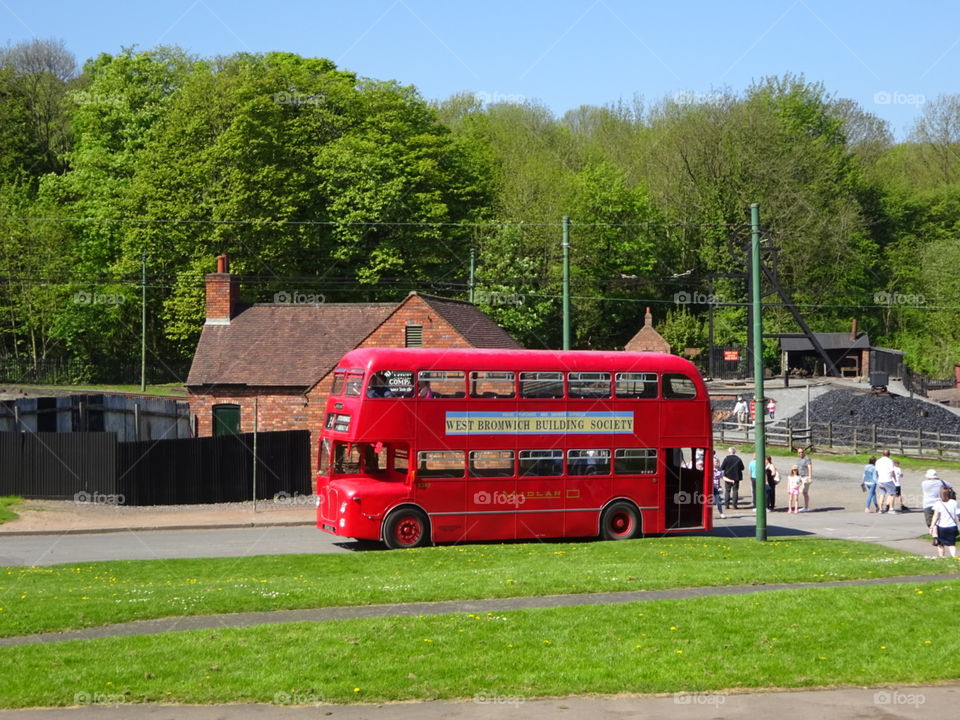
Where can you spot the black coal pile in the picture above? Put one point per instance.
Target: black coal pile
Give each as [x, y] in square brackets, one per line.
[848, 407]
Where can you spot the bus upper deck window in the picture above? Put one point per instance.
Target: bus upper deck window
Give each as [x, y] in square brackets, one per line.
[441, 384]
[391, 384]
[636, 385]
[354, 383]
[542, 385]
[492, 384]
[589, 384]
[678, 387]
[339, 380]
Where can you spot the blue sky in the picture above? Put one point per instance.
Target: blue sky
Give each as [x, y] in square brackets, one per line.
[888, 56]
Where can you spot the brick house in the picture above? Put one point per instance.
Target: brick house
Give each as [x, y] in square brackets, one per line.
[279, 357]
[647, 338]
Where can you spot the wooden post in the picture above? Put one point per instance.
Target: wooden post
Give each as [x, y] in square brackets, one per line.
[830, 434]
[854, 440]
[939, 447]
[136, 420]
[873, 439]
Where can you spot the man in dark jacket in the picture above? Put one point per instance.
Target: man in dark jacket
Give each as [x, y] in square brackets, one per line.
[732, 467]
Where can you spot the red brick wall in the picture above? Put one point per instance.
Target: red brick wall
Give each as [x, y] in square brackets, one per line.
[221, 295]
[437, 332]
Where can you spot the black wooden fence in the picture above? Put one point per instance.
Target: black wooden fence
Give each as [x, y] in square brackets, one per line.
[95, 467]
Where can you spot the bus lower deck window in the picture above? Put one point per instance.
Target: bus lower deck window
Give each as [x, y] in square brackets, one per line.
[440, 464]
[491, 463]
[588, 462]
[635, 461]
[541, 463]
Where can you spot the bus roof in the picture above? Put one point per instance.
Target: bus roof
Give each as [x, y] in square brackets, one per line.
[539, 360]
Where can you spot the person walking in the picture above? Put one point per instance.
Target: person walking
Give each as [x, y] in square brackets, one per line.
[772, 478]
[898, 482]
[869, 484]
[931, 487]
[805, 470]
[943, 526]
[752, 471]
[732, 468]
[772, 408]
[740, 411]
[794, 483]
[717, 490]
[886, 481]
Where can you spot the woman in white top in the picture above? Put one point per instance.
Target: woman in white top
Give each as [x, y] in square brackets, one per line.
[943, 527]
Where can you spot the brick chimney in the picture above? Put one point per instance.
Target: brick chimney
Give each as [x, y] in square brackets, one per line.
[221, 293]
[854, 330]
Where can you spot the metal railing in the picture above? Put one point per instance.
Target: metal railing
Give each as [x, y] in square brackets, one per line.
[856, 439]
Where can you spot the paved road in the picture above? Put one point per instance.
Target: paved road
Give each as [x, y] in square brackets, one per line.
[133, 544]
[890, 703]
[835, 497]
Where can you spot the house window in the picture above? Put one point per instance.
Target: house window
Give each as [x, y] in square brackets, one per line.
[414, 336]
[226, 420]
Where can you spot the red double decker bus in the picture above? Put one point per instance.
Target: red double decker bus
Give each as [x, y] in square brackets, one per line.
[424, 445]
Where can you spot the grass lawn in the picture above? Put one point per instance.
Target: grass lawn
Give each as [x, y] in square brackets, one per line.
[61, 597]
[782, 639]
[6, 508]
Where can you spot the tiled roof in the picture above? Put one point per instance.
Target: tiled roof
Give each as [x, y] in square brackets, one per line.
[829, 341]
[476, 328]
[282, 345]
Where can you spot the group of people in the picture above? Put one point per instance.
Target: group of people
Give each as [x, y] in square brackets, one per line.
[741, 410]
[940, 512]
[883, 474]
[729, 473]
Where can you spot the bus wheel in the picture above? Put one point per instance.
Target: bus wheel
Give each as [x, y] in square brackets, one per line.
[620, 521]
[406, 528]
